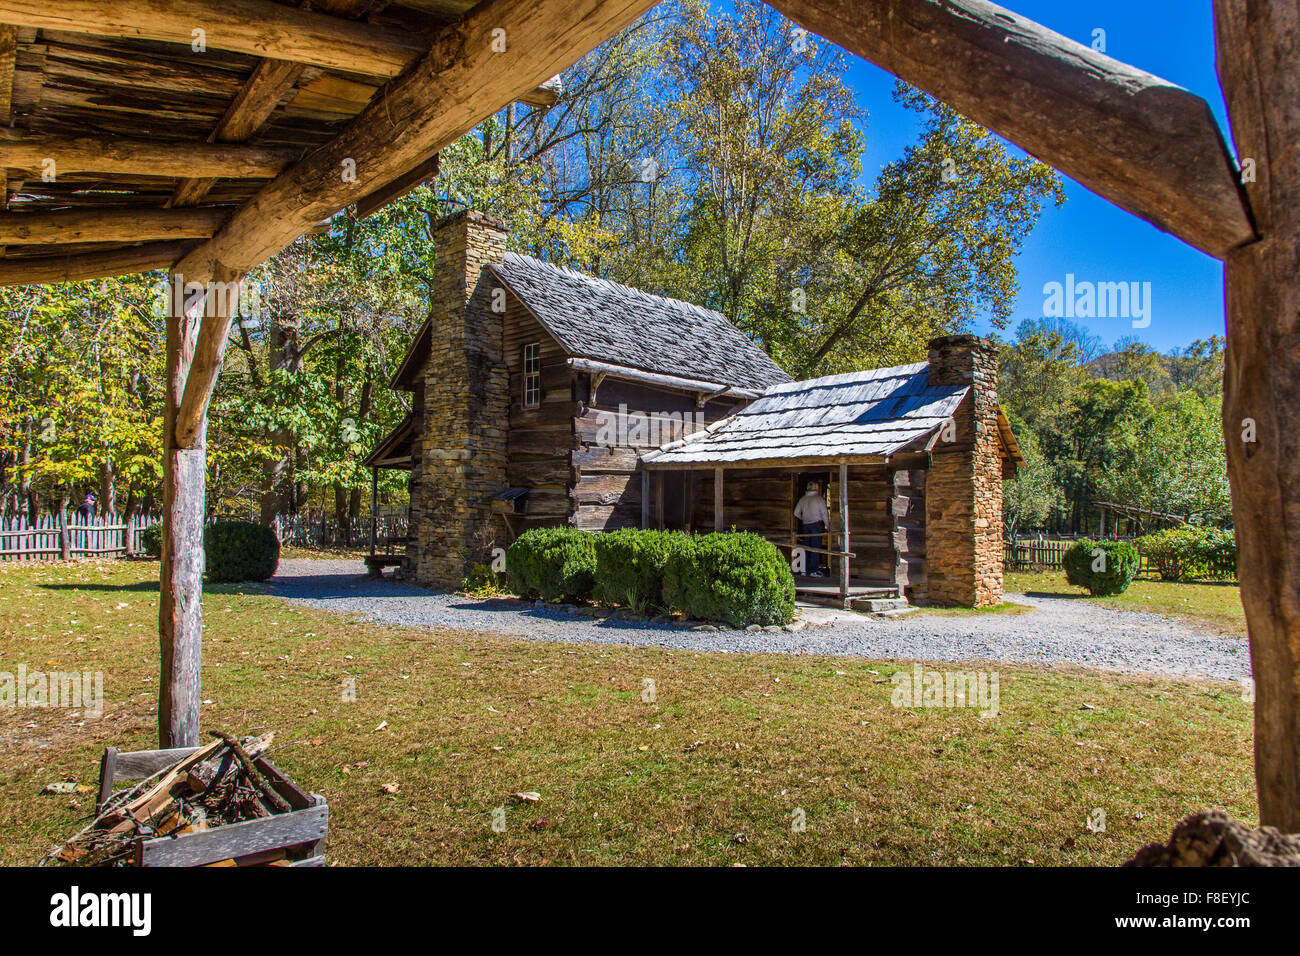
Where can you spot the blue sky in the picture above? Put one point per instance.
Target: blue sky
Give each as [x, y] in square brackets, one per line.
[1089, 236]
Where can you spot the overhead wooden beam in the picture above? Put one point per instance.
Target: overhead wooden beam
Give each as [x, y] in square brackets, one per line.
[89, 224]
[91, 265]
[1145, 144]
[255, 27]
[467, 76]
[147, 157]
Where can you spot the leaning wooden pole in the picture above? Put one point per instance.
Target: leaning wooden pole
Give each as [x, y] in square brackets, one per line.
[1257, 42]
[180, 585]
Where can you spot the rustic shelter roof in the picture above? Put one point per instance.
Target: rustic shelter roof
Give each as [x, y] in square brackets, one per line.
[863, 416]
[130, 133]
[602, 320]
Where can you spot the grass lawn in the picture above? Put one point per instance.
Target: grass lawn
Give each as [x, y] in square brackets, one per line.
[1213, 606]
[712, 770]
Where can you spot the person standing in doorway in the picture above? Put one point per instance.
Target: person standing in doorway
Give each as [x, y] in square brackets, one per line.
[813, 520]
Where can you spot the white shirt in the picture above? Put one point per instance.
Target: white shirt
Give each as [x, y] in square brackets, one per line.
[811, 509]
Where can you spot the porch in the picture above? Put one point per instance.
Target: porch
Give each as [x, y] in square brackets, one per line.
[395, 452]
[872, 555]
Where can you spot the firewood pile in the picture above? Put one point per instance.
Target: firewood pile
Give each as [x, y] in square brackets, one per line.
[214, 786]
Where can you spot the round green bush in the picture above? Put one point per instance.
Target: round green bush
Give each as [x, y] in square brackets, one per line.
[738, 578]
[240, 551]
[1187, 552]
[554, 564]
[1102, 567]
[151, 540]
[630, 566]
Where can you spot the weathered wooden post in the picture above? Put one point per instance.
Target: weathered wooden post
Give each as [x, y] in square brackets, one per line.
[374, 508]
[1258, 67]
[180, 586]
[844, 535]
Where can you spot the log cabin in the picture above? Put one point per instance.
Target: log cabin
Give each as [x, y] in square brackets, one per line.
[541, 396]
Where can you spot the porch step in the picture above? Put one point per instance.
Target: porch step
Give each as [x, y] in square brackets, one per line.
[878, 605]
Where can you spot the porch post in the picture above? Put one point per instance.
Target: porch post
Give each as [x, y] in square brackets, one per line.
[717, 500]
[844, 534]
[374, 508]
[180, 585]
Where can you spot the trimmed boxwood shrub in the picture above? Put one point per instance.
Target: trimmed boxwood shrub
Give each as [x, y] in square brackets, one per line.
[554, 564]
[630, 566]
[1103, 567]
[240, 551]
[151, 540]
[738, 578]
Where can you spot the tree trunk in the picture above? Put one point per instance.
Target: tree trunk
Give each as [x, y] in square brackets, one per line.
[282, 357]
[1257, 42]
[107, 503]
[180, 615]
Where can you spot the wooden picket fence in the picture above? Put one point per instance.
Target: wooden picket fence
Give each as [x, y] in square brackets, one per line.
[21, 540]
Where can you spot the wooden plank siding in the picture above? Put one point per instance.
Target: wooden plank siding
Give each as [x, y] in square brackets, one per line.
[607, 489]
[541, 440]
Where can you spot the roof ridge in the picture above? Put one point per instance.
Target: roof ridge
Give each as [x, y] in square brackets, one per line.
[600, 280]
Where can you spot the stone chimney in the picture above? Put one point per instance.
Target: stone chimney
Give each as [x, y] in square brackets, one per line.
[963, 488]
[466, 405]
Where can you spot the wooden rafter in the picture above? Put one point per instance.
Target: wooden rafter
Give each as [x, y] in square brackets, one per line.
[107, 225]
[94, 265]
[467, 76]
[1148, 146]
[88, 154]
[270, 81]
[255, 27]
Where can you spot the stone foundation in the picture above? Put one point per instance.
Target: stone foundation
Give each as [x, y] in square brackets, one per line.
[462, 462]
[963, 488]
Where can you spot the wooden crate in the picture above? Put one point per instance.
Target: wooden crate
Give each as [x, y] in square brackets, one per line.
[297, 837]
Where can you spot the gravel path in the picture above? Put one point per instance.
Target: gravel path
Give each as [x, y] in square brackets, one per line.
[1061, 630]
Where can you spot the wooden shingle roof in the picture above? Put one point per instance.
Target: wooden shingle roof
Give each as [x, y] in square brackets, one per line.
[860, 415]
[598, 319]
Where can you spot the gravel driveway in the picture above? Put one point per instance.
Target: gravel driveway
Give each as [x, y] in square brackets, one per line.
[1060, 630]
